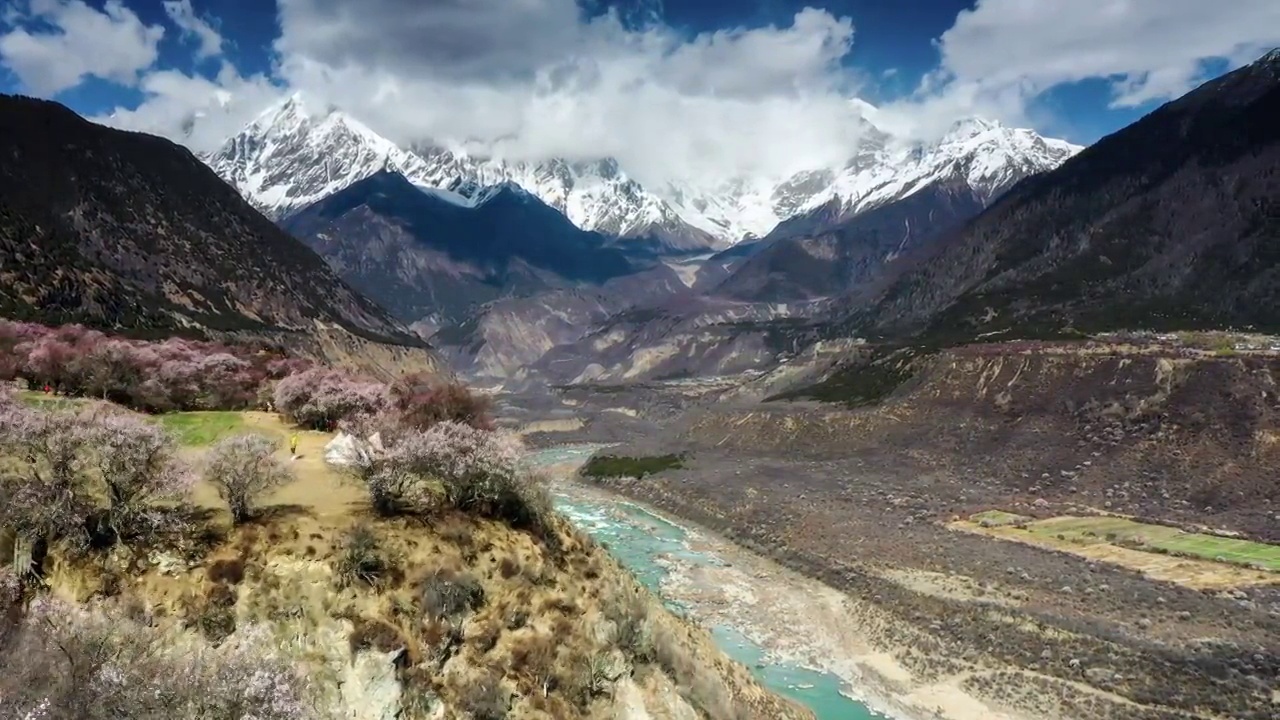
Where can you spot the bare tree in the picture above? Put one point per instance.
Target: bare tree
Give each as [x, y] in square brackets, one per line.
[244, 468]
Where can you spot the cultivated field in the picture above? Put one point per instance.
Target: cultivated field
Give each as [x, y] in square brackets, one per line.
[1196, 560]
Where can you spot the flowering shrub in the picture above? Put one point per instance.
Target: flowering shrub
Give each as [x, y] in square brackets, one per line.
[138, 466]
[68, 469]
[95, 665]
[461, 467]
[244, 468]
[320, 397]
[175, 374]
[422, 400]
[43, 494]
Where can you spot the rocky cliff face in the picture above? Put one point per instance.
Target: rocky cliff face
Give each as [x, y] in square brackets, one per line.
[682, 338]
[505, 340]
[822, 255]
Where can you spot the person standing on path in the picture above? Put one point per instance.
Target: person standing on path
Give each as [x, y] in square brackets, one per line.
[293, 445]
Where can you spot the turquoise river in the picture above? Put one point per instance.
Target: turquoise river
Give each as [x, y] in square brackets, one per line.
[639, 538]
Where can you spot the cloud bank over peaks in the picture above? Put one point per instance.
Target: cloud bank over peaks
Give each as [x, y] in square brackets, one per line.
[533, 79]
[537, 79]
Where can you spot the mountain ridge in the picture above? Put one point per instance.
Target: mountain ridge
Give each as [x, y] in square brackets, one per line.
[129, 231]
[424, 252]
[1169, 222]
[289, 157]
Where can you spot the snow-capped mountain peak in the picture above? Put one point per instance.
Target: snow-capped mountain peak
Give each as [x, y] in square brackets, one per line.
[290, 156]
[986, 155]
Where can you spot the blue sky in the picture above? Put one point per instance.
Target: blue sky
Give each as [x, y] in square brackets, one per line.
[750, 84]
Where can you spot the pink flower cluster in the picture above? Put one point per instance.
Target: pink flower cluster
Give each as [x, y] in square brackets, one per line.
[173, 374]
[420, 400]
[321, 397]
[243, 468]
[461, 467]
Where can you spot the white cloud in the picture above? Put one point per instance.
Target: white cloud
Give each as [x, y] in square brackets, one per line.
[534, 78]
[539, 78]
[184, 16]
[74, 41]
[1002, 54]
[196, 111]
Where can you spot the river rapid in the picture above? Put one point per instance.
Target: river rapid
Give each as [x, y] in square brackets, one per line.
[651, 546]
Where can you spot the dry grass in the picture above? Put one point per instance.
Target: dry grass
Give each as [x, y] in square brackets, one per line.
[319, 490]
[553, 631]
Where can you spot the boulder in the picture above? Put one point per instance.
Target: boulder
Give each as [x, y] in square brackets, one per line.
[346, 450]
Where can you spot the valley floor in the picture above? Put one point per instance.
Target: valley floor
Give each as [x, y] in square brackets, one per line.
[973, 627]
[802, 622]
[1104, 599]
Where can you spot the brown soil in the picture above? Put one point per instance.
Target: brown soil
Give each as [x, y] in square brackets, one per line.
[861, 499]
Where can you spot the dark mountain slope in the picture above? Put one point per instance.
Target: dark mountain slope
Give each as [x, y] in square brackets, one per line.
[816, 256]
[1171, 222]
[131, 232]
[427, 252]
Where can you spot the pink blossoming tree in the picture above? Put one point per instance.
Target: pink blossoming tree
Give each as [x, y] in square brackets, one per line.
[70, 468]
[320, 397]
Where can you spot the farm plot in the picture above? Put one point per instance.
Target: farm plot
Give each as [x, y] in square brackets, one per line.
[1196, 560]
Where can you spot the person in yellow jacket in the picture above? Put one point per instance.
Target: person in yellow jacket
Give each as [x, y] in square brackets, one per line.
[293, 445]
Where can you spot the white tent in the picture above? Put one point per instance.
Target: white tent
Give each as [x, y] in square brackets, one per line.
[347, 450]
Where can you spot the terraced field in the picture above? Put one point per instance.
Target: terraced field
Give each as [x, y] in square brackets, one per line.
[1161, 538]
[1168, 553]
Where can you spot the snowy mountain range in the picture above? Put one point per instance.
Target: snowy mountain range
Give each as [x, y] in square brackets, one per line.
[291, 156]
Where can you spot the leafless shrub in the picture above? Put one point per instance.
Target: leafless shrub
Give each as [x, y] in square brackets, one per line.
[96, 665]
[244, 468]
[446, 595]
[633, 628]
[361, 560]
[485, 698]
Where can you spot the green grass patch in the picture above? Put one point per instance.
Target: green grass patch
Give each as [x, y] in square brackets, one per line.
[190, 428]
[998, 518]
[867, 382]
[202, 428]
[48, 402]
[1159, 539]
[614, 466]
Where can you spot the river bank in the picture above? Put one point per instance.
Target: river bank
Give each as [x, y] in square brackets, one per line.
[802, 638]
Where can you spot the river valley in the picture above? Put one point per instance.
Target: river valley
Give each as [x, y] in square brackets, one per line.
[798, 636]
